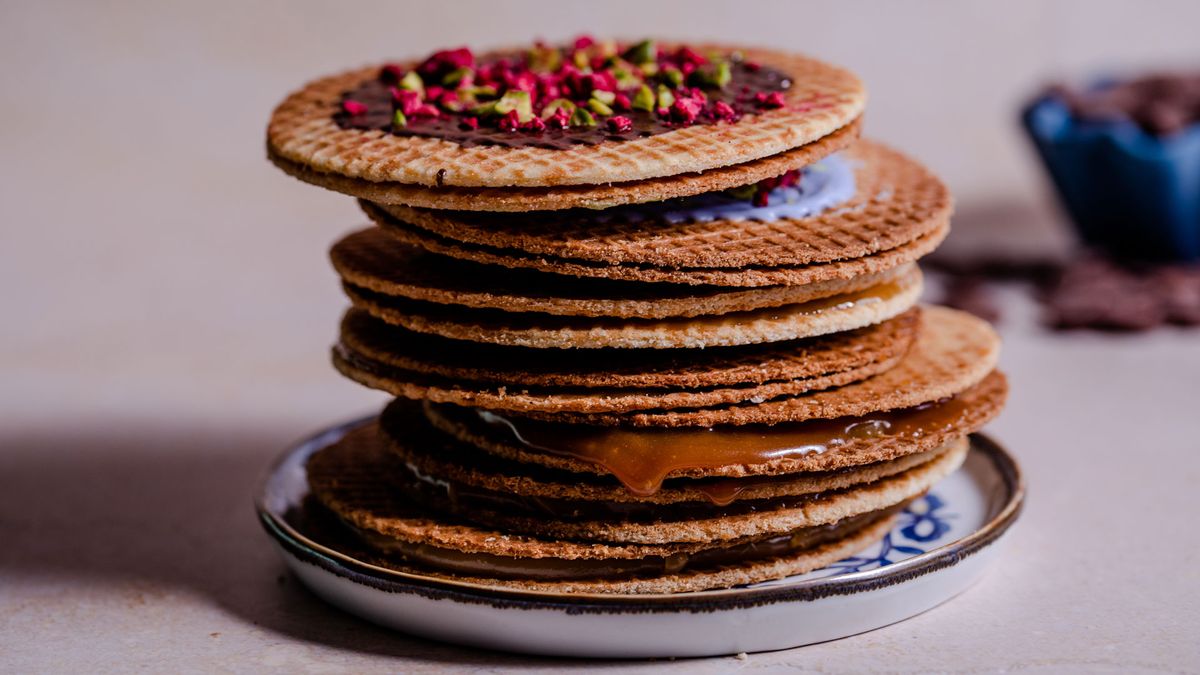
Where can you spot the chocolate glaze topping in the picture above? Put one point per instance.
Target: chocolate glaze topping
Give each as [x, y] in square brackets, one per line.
[372, 105]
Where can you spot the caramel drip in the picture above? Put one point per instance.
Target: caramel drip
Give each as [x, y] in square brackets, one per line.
[641, 458]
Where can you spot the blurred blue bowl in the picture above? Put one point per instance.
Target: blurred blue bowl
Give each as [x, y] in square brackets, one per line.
[1130, 193]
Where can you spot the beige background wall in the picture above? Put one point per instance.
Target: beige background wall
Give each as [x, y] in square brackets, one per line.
[146, 247]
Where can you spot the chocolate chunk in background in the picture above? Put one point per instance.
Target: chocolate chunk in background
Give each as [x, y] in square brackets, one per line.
[1095, 292]
[971, 294]
[1089, 291]
[1160, 103]
[1180, 290]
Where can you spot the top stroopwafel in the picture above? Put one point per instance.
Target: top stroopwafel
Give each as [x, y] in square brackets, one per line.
[601, 196]
[896, 201]
[822, 98]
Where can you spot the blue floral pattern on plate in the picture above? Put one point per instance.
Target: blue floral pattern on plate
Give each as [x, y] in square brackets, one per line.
[923, 522]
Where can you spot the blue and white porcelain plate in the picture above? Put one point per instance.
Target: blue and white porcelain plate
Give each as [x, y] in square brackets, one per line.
[941, 545]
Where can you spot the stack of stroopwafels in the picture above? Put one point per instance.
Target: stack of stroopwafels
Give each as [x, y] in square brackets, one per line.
[649, 312]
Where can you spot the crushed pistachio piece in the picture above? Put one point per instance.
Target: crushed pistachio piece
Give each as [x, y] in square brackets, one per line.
[412, 82]
[643, 99]
[483, 91]
[643, 52]
[454, 77]
[516, 100]
[582, 118]
[485, 110]
[606, 97]
[665, 97]
[399, 121]
[553, 107]
[599, 107]
[722, 74]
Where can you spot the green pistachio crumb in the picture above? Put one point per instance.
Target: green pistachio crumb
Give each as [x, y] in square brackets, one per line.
[516, 100]
[399, 121]
[412, 82]
[721, 74]
[483, 91]
[625, 78]
[599, 107]
[673, 77]
[486, 110]
[554, 106]
[643, 52]
[606, 97]
[455, 76]
[665, 97]
[582, 118]
[643, 99]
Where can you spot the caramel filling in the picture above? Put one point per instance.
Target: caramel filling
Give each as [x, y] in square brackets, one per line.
[641, 458]
[560, 569]
[476, 502]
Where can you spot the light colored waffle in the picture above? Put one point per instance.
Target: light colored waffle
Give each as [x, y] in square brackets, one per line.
[818, 317]
[982, 403]
[516, 367]
[896, 201]
[750, 276]
[600, 196]
[302, 130]
[375, 261]
[953, 352]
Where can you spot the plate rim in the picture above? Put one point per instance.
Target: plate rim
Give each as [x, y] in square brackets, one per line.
[389, 580]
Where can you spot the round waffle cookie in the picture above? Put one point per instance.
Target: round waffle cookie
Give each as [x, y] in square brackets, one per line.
[444, 371]
[820, 100]
[831, 314]
[645, 459]
[953, 352]
[896, 201]
[748, 276]
[395, 347]
[354, 480]
[371, 260]
[601, 196]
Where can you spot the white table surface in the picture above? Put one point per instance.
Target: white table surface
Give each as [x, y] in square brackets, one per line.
[167, 311]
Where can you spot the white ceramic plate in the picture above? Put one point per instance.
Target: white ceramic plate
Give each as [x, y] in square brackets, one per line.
[940, 546]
